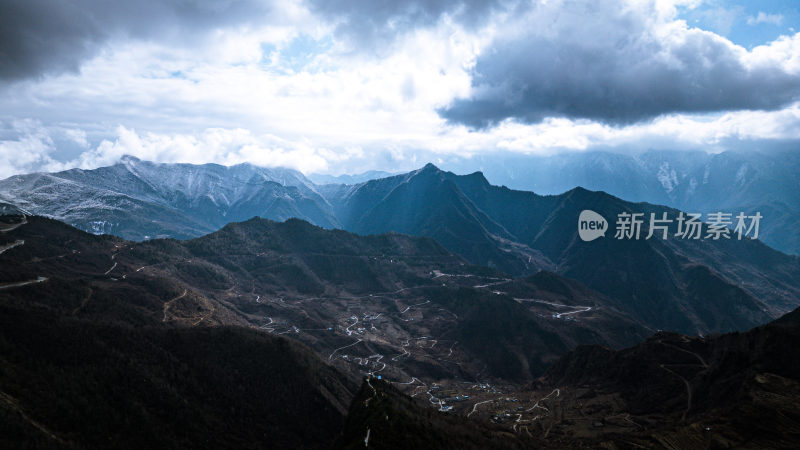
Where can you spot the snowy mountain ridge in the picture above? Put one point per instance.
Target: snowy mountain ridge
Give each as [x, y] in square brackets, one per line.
[139, 199]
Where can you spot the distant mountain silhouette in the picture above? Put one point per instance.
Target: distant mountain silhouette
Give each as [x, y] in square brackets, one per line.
[763, 179]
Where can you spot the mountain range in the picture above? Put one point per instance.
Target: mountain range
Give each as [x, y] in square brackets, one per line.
[684, 285]
[141, 200]
[732, 181]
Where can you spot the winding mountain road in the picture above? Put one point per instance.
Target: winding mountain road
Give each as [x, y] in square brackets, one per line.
[16, 225]
[22, 283]
[169, 303]
[16, 243]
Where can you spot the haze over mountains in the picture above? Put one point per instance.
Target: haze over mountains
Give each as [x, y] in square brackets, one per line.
[348, 178]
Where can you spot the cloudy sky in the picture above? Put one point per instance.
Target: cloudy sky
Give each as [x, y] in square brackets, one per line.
[350, 85]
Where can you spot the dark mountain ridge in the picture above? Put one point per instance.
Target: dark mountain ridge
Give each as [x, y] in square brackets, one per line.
[325, 288]
[661, 282]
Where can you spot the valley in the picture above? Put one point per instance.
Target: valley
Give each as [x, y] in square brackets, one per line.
[406, 326]
[394, 308]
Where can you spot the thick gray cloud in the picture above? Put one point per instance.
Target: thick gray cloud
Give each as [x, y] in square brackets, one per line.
[371, 24]
[598, 60]
[38, 37]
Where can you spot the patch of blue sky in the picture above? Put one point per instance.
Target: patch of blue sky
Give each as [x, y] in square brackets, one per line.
[748, 23]
[158, 73]
[301, 54]
[268, 53]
